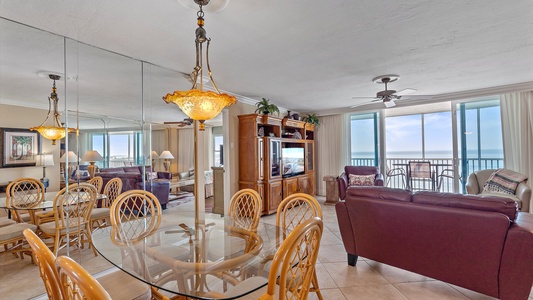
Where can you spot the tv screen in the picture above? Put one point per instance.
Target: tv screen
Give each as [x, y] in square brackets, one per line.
[292, 161]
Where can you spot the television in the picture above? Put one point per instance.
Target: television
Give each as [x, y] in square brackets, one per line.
[292, 160]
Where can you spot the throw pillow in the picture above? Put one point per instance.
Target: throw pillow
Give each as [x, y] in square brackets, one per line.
[151, 175]
[503, 181]
[362, 180]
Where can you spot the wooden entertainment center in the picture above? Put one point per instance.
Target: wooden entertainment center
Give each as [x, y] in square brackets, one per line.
[276, 158]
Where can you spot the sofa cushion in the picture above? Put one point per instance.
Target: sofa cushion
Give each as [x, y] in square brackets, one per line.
[383, 193]
[503, 181]
[112, 170]
[132, 170]
[481, 202]
[361, 180]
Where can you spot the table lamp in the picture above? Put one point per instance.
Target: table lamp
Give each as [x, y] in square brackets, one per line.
[154, 156]
[72, 158]
[92, 156]
[45, 160]
[167, 156]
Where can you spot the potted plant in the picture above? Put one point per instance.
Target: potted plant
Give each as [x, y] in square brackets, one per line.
[264, 106]
[312, 119]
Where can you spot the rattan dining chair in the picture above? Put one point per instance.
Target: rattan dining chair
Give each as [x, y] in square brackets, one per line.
[24, 193]
[77, 283]
[117, 284]
[71, 212]
[245, 209]
[97, 181]
[100, 215]
[292, 270]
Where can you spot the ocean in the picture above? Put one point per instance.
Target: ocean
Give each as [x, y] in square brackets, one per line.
[440, 154]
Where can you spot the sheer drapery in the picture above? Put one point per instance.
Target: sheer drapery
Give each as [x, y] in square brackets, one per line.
[517, 125]
[332, 151]
[185, 149]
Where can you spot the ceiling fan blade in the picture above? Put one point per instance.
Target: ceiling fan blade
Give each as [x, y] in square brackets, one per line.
[405, 92]
[172, 123]
[370, 97]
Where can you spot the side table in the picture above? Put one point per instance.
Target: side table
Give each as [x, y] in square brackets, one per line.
[332, 190]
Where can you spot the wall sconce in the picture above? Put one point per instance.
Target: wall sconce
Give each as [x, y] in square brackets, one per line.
[92, 156]
[167, 156]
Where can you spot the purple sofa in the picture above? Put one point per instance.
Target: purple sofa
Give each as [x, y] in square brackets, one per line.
[132, 178]
[477, 242]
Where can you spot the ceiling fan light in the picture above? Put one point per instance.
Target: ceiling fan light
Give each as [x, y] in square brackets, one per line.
[389, 104]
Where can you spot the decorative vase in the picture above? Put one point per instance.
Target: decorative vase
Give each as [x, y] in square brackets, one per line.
[288, 116]
[296, 116]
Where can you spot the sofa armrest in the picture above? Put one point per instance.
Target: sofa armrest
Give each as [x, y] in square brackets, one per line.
[343, 185]
[345, 227]
[379, 180]
[164, 175]
[472, 186]
[516, 276]
[523, 192]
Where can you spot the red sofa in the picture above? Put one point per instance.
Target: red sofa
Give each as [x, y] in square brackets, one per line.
[476, 242]
[344, 181]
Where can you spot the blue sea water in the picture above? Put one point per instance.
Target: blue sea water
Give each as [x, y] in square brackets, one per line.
[444, 154]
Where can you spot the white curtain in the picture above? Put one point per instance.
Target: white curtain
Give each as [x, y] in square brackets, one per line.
[332, 151]
[517, 125]
[185, 149]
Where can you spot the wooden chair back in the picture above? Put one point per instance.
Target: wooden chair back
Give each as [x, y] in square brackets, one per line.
[245, 209]
[135, 215]
[24, 193]
[76, 282]
[295, 261]
[294, 210]
[97, 181]
[73, 205]
[45, 260]
[112, 189]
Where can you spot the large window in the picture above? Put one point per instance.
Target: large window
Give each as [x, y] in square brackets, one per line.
[218, 159]
[118, 149]
[364, 139]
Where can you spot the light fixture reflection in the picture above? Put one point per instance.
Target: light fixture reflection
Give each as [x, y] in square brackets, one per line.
[56, 131]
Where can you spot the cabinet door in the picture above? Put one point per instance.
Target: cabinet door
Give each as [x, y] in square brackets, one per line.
[274, 196]
[290, 186]
[309, 156]
[274, 158]
[260, 160]
[305, 184]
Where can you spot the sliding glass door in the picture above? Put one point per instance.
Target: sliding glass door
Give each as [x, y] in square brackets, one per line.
[364, 140]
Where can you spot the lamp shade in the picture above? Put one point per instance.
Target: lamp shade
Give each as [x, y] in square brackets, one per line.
[91, 156]
[154, 154]
[45, 160]
[72, 157]
[166, 155]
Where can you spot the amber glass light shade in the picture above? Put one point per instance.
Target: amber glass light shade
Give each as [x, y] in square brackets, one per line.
[52, 133]
[200, 105]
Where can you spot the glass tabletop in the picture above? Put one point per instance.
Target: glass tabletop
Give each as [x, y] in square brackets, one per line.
[192, 258]
[47, 203]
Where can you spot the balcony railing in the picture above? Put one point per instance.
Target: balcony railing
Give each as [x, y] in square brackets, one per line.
[445, 183]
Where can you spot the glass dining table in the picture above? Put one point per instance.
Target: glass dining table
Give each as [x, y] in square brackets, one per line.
[191, 254]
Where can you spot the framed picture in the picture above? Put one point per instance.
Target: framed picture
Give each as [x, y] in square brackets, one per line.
[19, 147]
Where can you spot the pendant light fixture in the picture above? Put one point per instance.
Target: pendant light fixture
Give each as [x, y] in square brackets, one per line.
[56, 131]
[196, 103]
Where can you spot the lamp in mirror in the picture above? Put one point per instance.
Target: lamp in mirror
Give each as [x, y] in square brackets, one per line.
[167, 156]
[69, 158]
[196, 103]
[45, 160]
[154, 156]
[57, 131]
[92, 156]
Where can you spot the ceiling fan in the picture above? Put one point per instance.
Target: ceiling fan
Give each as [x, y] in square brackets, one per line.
[388, 96]
[185, 122]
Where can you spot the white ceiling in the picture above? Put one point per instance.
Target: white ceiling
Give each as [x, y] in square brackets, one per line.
[303, 55]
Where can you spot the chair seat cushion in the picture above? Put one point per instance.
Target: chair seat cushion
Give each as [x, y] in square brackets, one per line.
[100, 213]
[50, 227]
[5, 221]
[120, 285]
[14, 231]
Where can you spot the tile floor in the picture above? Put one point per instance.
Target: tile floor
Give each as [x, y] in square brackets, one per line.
[367, 280]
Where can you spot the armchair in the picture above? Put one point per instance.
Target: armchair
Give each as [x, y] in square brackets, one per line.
[476, 181]
[344, 181]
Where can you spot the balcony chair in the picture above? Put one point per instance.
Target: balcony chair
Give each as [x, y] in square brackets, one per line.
[396, 172]
[421, 172]
[476, 182]
[361, 172]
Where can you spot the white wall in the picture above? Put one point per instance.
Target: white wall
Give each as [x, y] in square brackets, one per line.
[22, 117]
